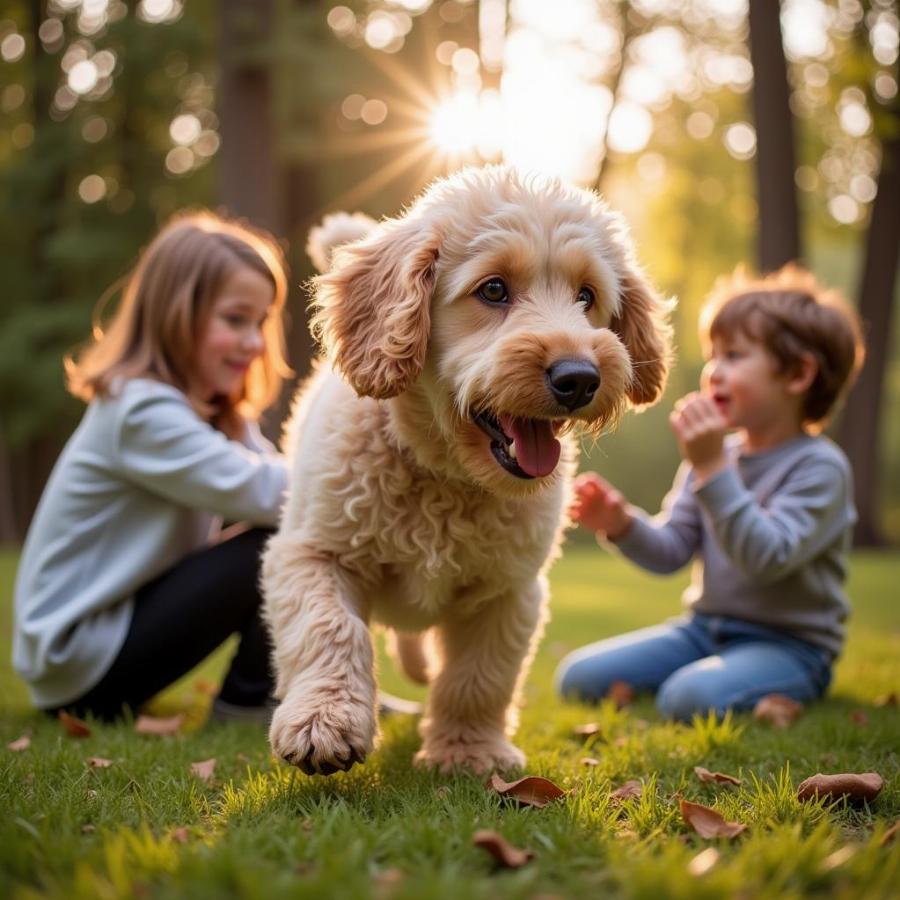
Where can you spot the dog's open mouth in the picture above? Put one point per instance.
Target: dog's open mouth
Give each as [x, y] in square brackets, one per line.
[526, 448]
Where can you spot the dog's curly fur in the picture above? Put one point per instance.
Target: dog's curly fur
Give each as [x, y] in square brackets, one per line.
[399, 511]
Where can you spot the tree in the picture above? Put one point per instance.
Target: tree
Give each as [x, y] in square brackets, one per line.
[779, 228]
[861, 423]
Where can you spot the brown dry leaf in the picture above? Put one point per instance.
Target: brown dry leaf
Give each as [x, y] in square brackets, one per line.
[887, 699]
[838, 858]
[632, 788]
[586, 730]
[386, 879]
[589, 761]
[443, 791]
[506, 854]
[713, 777]
[307, 825]
[204, 769]
[88, 829]
[20, 744]
[890, 835]
[858, 717]
[179, 835]
[703, 862]
[206, 687]
[98, 762]
[777, 710]
[621, 693]
[707, 822]
[529, 791]
[73, 727]
[857, 788]
[158, 726]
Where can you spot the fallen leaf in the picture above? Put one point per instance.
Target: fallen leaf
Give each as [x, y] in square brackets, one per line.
[179, 835]
[90, 794]
[205, 686]
[586, 730]
[707, 822]
[703, 862]
[590, 761]
[712, 777]
[777, 710]
[388, 878]
[529, 791]
[307, 825]
[889, 836]
[837, 859]
[204, 769]
[632, 788]
[242, 757]
[887, 699]
[73, 727]
[858, 717]
[621, 693]
[443, 791]
[88, 829]
[506, 854]
[157, 726]
[98, 762]
[856, 788]
[20, 744]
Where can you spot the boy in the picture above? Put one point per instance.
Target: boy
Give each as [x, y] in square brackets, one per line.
[766, 513]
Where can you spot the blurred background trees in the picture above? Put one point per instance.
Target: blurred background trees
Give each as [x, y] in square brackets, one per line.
[115, 114]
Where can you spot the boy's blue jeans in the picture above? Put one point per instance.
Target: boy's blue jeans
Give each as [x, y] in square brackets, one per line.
[699, 663]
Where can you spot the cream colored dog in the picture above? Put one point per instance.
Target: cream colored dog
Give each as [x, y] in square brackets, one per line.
[431, 461]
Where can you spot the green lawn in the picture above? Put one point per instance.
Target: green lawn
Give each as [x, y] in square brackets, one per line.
[262, 830]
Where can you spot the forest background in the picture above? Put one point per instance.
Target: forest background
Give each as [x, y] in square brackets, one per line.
[727, 133]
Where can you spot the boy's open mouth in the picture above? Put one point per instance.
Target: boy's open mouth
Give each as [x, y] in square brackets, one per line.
[526, 448]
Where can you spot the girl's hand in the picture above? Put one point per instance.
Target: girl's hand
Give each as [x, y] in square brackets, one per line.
[700, 430]
[599, 506]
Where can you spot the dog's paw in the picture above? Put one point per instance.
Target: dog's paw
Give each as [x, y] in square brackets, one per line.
[485, 754]
[322, 735]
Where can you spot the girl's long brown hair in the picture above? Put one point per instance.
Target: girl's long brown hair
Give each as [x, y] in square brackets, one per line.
[165, 303]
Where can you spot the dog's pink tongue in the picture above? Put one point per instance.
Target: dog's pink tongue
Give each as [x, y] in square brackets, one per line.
[537, 450]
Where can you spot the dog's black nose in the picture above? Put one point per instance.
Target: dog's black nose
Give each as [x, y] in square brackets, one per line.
[573, 382]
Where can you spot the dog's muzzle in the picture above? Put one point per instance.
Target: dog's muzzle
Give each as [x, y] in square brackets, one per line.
[526, 448]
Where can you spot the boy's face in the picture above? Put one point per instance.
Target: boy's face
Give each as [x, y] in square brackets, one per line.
[744, 381]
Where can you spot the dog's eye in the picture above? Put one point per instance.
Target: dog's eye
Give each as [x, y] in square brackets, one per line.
[494, 291]
[586, 296]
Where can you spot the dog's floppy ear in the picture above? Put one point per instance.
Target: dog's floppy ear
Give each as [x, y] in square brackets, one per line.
[642, 323]
[372, 308]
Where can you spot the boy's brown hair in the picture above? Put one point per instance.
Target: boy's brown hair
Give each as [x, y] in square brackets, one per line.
[791, 315]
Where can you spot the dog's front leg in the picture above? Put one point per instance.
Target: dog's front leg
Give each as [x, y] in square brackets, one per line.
[323, 660]
[472, 706]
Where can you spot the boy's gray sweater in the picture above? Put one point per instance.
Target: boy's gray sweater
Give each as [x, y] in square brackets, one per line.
[769, 537]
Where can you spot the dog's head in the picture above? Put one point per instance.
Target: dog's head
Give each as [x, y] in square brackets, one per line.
[503, 310]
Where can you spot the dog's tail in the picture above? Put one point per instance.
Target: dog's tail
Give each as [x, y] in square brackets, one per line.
[336, 229]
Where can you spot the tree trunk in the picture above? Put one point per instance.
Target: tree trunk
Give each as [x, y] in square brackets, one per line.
[860, 427]
[248, 185]
[779, 230]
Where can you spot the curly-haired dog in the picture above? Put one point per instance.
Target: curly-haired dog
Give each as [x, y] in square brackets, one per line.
[430, 475]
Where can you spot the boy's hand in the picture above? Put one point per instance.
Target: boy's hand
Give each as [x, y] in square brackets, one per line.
[700, 429]
[600, 507]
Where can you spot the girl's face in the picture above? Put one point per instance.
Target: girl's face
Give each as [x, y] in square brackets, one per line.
[231, 337]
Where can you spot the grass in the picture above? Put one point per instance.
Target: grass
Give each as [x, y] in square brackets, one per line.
[146, 827]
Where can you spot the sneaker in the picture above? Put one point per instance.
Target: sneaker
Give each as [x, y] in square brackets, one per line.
[389, 705]
[223, 711]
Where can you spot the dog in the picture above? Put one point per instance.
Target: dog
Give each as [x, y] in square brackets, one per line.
[432, 454]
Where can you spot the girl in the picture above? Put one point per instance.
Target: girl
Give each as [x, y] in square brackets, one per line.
[120, 589]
